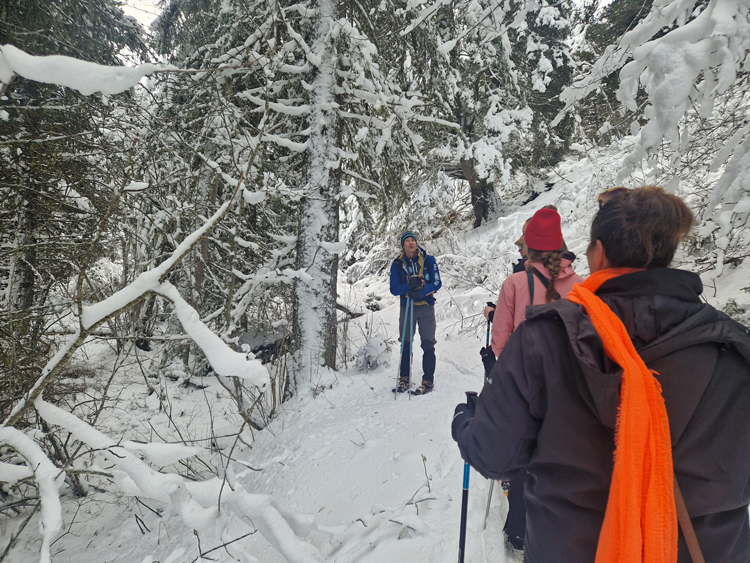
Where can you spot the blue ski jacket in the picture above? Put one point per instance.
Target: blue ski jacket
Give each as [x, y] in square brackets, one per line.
[422, 265]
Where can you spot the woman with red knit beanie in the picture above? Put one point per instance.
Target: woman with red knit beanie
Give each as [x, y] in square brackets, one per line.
[547, 255]
[627, 403]
[549, 276]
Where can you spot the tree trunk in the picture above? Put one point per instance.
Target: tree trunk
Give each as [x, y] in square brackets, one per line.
[315, 297]
[478, 189]
[22, 271]
[486, 202]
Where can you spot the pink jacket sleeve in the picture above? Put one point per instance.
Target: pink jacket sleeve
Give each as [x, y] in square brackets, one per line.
[503, 322]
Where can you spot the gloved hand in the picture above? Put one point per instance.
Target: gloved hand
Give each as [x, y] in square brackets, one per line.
[471, 401]
[463, 413]
[414, 294]
[488, 359]
[489, 311]
[415, 282]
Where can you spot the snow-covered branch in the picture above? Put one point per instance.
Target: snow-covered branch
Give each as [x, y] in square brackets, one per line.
[84, 76]
[197, 503]
[684, 68]
[228, 362]
[223, 359]
[47, 477]
[87, 77]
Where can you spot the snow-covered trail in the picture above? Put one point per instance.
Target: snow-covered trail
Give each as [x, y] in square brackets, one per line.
[360, 459]
[382, 475]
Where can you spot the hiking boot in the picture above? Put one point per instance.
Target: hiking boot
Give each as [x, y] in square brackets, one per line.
[423, 389]
[403, 385]
[514, 545]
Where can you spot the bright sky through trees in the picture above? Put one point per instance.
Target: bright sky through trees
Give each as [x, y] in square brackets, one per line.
[145, 11]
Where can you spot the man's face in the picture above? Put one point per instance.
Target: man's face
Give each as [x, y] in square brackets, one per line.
[410, 247]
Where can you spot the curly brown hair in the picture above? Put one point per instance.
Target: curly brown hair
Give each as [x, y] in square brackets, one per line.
[641, 228]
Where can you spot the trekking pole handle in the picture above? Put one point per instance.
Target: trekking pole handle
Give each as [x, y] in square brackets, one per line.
[471, 400]
[493, 306]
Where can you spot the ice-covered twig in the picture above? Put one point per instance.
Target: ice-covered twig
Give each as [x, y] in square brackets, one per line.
[195, 502]
[47, 477]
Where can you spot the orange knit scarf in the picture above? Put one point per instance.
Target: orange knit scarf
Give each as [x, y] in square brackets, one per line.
[640, 524]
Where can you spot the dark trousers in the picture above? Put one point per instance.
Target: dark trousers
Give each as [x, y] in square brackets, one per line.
[424, 319]
[515, 523]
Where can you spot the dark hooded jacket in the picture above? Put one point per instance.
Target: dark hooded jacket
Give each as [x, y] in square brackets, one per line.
[550, 405]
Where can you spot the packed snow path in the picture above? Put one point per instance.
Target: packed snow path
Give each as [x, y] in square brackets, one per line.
[354, 454]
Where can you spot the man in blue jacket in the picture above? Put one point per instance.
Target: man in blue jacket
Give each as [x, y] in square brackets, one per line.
[415, 276]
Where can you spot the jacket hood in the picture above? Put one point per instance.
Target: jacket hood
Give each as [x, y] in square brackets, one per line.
[662, 312]
[403, 257]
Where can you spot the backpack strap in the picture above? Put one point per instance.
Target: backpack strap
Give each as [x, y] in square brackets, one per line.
[545, 282]
[688, 532]
[530, 277]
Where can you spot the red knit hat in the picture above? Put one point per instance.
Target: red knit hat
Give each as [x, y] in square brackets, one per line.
[543, 231]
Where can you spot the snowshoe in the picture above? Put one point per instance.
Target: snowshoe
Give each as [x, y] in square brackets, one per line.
[403, 385]
[423, 389]
[506, 487]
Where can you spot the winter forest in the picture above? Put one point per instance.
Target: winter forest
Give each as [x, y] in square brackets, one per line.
[198, 216]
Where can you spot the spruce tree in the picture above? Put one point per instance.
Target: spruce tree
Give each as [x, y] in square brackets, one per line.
[489, 73]
[307, 111]
[59, 167]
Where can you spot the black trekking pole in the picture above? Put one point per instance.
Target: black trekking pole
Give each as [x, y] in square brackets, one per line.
[411, 344]
[471, 397]
[464, 509]
[492, 482]
[488, 356]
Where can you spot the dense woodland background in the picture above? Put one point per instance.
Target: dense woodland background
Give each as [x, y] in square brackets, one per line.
[314, 133]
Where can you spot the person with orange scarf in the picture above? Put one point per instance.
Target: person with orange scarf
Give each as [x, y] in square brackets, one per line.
[622, 401]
